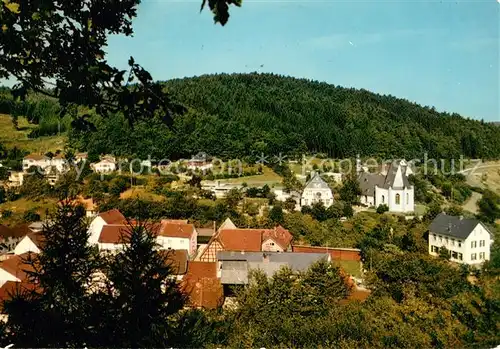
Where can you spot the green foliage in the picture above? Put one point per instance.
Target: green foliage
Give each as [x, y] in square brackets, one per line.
[276, 214]
[489, 206]
[56, 314]
[142, 294]
[382, 208]
[284, 303]
[31, 216]
[350, 191]
[257, 114]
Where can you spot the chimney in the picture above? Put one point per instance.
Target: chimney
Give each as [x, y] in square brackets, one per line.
[265, 258]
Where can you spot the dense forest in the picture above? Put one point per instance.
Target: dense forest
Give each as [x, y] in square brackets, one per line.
[247, 114]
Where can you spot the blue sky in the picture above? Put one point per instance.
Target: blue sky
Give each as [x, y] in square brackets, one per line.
[437, 53]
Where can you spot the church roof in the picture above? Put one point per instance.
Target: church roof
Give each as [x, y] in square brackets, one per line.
[316, 182]
[368, 181]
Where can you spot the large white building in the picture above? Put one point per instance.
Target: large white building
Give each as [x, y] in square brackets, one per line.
[467, 240]
[316, 190]
[390, 188]
[36, 160]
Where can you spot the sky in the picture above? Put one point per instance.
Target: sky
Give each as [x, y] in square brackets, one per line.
[436, 53]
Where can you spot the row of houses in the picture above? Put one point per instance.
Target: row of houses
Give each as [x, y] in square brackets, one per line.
[205, 271]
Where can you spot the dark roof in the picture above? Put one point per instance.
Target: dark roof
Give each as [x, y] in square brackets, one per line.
[316, 182]
[368, 181]
[391, 174]
[454, 226]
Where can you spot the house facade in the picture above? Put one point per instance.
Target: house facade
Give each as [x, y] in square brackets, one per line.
[36, 160]
[177, 235]
[316, 190]
[230, 238]
[104, 166]
[109, 217]
[467, 240]
[390, 188]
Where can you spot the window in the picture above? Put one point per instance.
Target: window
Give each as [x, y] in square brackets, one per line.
[434, 249]
[366, 198]
[481, 243]
[398, 199]
[459, 244]
[452, 242]
[473, 244]
[182, 241]
[383, 199]
[481, 255]
[460, 257]
[473, 257]
[407, 198]
[447, 241]
[434, 237]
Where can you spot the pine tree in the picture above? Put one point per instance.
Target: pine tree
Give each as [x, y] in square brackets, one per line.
[143, 294]
[55, 313]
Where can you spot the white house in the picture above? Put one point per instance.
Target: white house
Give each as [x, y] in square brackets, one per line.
[316, 190]
[467, 240]
[60, 162]
[36, 160]
[200, 161]
[30, 243]
[109, 217]
[177, 235]
[104, 166]
[390, 188]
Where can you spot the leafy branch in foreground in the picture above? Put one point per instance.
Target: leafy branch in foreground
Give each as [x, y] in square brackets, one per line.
[56, 48]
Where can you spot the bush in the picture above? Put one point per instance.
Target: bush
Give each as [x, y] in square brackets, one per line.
[31, 216]
[382, 208]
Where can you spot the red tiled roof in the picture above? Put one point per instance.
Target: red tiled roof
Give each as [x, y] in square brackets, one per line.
[16, 266]
[177, 259]
[279, 235]
[113, 216]
[176, 230]
[36, 157]
[202, 286]
[185, 221]
[113, 233]
[337, 253]
[249, 240]
[10, 288]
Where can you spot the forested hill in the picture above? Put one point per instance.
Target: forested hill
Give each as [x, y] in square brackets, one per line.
[233, 116]
[267, 112]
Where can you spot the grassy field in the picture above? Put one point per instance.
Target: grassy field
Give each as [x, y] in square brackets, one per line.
[141, 193]
[10, 137]
[351, 267]
[20, 206]
[268, 177]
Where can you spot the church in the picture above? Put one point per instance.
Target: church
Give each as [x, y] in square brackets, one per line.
[316, 190]
[390, 187]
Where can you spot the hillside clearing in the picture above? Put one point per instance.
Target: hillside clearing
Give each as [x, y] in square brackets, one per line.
[10, 137]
